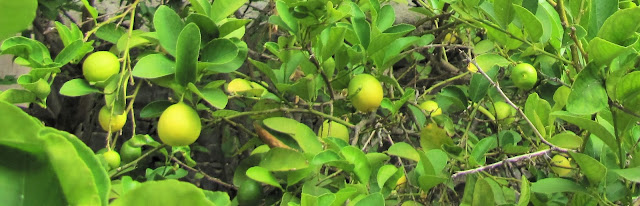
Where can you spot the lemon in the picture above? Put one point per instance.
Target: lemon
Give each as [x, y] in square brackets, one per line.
[431, 107]
[99, 66]
[179, 125]
[365, 92]
[111, 122]
[564, 164]
[524, 76]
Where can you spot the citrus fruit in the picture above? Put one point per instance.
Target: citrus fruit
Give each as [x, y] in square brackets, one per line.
[179, 125]
[449, 38]
[365, 92]
[238, 85]
[563, 163]
[249, 193]
[504, 113]
[333, 129]
[431, 107]
[129, 153]
[99, 66]
[524, 76]
[112, 158]
[110, 122]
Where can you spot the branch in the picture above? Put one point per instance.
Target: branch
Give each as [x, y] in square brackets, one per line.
[213, 179]
[498, 164]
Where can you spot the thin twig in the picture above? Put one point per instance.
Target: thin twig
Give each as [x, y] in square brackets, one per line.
[498, 164]
[213, 179]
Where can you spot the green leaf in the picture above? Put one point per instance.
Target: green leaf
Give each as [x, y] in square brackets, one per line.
[307, 139]
[187, 52]
[69, 35]
[208, 28]
[595, 128]
[15, 96]
[567, 140]
[77, 87]
[554, 185]
[332, 38]
[217, 197]
[531, 24]
[233, 27]
[374, 199]
[504, 11]
[219, 51]
[234, 64]
[70, 52]
[78, 187]
[551, 24]
[360, 25]
[263, 175]
[404, 150]
[168, 26]
[483, 195]
[40, 87]
[16, 16]
[620, 26]
[525, 192]
[588, 94]
[386, 18]
[286, 17]
[201, 6]
[537, 110]
[594, 170]
[433, 137]
[153, 66]
[165, 192]
[109, 32]
[384, 173]
[632, 174]
[604, 51]
[481, 148]
[155, 109]
[214, 96]
[383, 40]
[479, 85]
[627, 90]
[91, 9]
[281, 159]
[356, 157]
[224, 8]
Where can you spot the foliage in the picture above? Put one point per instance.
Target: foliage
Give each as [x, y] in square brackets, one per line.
[582, 110]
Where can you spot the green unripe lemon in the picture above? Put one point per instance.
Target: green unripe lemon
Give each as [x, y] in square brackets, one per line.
[99, 66]
[333, 129]
[112, 158]
[249, 193]
[179, 125]
[365, 92]
[114, 122]
[431, 107]
[564, 164]
[503, 112]
[524, 76]
[129, 153]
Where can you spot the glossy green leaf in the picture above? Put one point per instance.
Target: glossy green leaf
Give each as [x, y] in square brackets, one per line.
[590, 167]
[40, 87]
[504, 11]
[404, 150]
[16, 16]
[187, 52]
[604, 51]
[168, 26]
[567, 140]
[234, 64]
[263, 175]
[481, 148]
[286, 17]
[360, 25]
[92, 11]
[224, 8]
[217, 197]
[627, 90]
[550, 20]
[595, 128]
[165, 192]
[483, 195]
[281, 159]
[331, 38]
[208, 29]
[219, 51]
[138, 39]
[433, 137]
[78, 187]
[307, 139]
[632, 174]
[153, 66]
[155, 109]
[525, 192]
[108, 32]
[77, 87]
[588, 94]
[70, 35]
[15, 96]
[384, 173]
[537, 110]
[233, 26]
[70, 52]
[380, 41]
[356, 157]
[479, 85]
[531, 24]
[374, 199]
[554, 185]
[214, 96]
[386, 17]
[620, 26]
